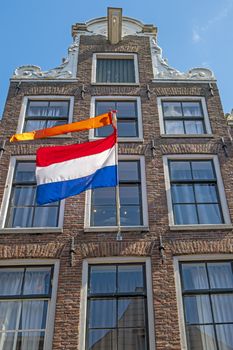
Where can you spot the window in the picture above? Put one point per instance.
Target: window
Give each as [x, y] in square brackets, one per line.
[39, 112]
[180, 116]
[118, 293]
[115, 68]
[23, 210]
[132, 197]
[195, 191]
[26, 306]
[129, 120]
[207, 289]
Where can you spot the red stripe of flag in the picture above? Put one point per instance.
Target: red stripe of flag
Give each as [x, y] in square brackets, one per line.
[56, 154]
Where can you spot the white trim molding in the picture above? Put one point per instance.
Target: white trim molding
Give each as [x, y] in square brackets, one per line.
[67, 70]
[26, 99]
[144, 226]
[190, 258]
[184, 99]
[84, 290]
[162, 70]
[52, 302]
[6, 200]
[186, 157]
[137, 99]
[114, 55]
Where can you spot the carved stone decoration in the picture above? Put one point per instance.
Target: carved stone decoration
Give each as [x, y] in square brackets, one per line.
[163, 71]
[67, 70]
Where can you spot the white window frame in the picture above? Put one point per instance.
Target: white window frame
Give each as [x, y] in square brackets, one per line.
[184, 99]
[192, 258]
[137, 99]
[83, 298]
[115, 55]
[223, 202]
[26, 99]
[48, 342]
[144, 226]
[6, 200]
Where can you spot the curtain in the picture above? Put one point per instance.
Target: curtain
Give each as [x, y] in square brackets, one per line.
[115, 71]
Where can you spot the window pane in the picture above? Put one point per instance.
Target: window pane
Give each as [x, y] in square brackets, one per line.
[129, 170]
[172, 109]
[201, 338]
[202, 170]
[45, 216]
[194, 127]
[131, 339]
[130, 278]
[104, 131]
[31, 125]
[102, 107]
[206, 193]
[220, 275]
[9, 313]
[30, 340]
[222, 307]
[23, 195]
[102, 313]
[102, 339]
[115, 70]
[131, 312]
[51, 123]
[182, 194]
[197, 309]
[192, 109]
[25, 172]
[37, 108]
[185, 214]
[103, 196]
[126, 109]
[11, 281]
[7, 340]
[194, 276]
[180, 170]
[131, 215]
[174, 127]
[103, 216]
[102, 279]
[33, 315]
[60, 108]
[209, 214]
[20, 217]
[37, 280]
[130, 194]
[127, 128]
[225, 336]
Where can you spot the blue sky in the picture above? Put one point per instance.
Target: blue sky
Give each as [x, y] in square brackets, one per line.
[191, 33]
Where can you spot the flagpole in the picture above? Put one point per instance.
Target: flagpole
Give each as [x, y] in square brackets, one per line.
[118, 204]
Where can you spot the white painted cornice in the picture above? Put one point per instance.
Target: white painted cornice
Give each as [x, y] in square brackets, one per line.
[67, 70]
[162, 70]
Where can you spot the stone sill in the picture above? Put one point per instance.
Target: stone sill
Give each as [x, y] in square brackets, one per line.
[200, 227]
[190, 136]
[121, 139]
[32, 230]
[110, 229]
[115, 84]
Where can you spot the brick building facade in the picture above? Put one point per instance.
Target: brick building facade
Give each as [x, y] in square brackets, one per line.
[66, 282]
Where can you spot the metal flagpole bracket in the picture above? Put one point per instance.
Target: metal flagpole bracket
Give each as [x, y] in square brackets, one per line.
[2, 148]
[161, 249]
[72, 252]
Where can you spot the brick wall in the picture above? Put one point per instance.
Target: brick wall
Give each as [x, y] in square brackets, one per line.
[99, 244]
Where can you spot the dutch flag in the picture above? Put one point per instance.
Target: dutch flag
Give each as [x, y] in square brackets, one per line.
[64, 171]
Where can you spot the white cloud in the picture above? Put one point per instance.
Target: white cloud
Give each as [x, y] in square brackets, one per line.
[196, 36]
[198, 31]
